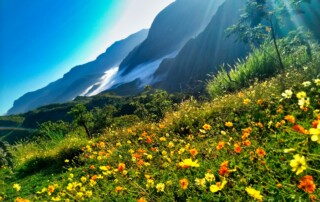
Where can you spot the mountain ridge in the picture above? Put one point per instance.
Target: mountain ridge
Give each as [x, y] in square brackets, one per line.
[74, 82]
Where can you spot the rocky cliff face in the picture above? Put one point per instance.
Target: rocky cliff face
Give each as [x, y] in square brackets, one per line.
[171, 29]
[205, 53]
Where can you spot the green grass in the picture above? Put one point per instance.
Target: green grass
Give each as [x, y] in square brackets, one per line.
[261, 64]
[170, 141]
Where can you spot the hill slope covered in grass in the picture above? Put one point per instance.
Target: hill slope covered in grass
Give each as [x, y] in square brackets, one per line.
[260, 143]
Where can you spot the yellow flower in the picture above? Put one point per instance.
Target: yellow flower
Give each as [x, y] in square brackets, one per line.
[79, 195]
[181, 151]
[315, 132]
[298, 164]
[186, 163]
[55, 198]
[164, 153]
[149, 157]
[254, 193]
[218, 186]
[287, 94]
[17, 187]
[67, 161]
[88, 194]
[171, 144]
[228, 124]
[200, 182]
[317, 82]
[206, 127]
[1, 198]
[160, 187]
[150, 183]
[118, 144]
[246, 101]
[163, 139]
[209, 177]
[301, 94]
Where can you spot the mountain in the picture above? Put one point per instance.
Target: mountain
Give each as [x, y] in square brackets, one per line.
[205, 53]
[171, 29]
[84, 79]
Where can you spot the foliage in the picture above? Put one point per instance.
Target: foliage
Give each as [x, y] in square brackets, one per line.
[82, 118]
[261, 64]
[102, 117]
[53, 130]
[152, 105]
[5, 155]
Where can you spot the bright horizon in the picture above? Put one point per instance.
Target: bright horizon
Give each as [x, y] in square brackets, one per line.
[44, 39]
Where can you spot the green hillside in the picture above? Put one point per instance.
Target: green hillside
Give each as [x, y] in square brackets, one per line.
[260, 142]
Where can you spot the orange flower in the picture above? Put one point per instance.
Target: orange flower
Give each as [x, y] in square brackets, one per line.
[260, 152]
[228, 124]
[290, 118]
[118, 189]
[224, 170]
[315, 123]
[121, 167]
[19, 199]
[149, 139]
[247, 130]
[140, 162]
[260, 102]
[141, 151]
[94, 177]
[237, 148]
[92, 167]
[300, 129]
[259, 124]
[206, 127]
[279, 110]
[245, 135]
[220, 145]
[312, 197]
[184, 183]
[307, 184]
[142, 200]
[51, 188]
[246, 143]
[193, 152]
[138, 156]
[144, 134]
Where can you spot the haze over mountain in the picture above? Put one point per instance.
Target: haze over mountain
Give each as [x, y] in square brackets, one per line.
[79, 78]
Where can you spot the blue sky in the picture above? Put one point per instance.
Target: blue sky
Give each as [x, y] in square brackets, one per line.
[40, 40]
